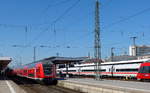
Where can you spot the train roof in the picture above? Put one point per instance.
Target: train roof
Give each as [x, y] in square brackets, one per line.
[41, 61]
[117, 62]
[128, 61]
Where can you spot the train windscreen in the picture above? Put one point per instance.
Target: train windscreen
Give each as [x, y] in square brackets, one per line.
[144, 69]
[47, 69]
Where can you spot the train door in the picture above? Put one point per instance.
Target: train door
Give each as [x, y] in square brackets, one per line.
[31, 72]
[38, 72]
[112, 70]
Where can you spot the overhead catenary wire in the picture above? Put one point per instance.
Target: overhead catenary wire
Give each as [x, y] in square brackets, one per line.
[12, 25]
[127, 18]
[58, 3]
[55, 21]
[47, 29]
[117, 22]
[92, 32]
[45, 10]
[66, 12]
[121, 20]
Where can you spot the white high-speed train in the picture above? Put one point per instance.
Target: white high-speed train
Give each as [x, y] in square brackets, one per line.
[128, 68]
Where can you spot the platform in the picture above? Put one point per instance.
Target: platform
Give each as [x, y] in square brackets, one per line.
[105, 86]
[8, 86]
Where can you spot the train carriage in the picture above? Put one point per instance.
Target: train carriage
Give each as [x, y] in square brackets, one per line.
[43, 71]
[129, 68]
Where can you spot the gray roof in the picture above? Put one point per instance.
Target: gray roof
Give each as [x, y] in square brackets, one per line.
[121, 58]
[62, 60]
[4, 61]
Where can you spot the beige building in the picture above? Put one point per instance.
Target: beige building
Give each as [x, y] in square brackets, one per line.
[139, 50]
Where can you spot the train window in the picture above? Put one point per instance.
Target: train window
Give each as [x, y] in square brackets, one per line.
[147, 61]
[47, 69]
[38, 70]
[71, 65]
[102, 70]
[109, 69]
[121, 63]
[127, 70]
[71, 70]
[144, 69]
[88, 70]
[25, 71]
[61, 66]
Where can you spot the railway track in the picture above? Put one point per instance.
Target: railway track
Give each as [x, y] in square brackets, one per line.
[32, 87]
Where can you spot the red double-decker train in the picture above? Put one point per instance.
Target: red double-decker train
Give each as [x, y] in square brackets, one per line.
[43, 71]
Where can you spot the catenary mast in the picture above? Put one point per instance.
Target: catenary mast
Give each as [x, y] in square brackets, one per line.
[97, 44]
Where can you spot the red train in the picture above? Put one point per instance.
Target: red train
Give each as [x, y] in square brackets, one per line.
[43, 70]
[144, 71]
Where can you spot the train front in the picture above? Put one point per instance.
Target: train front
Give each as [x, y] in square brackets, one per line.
[46, 71]
[144, 72]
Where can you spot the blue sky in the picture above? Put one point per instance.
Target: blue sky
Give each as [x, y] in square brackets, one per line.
[119, 20]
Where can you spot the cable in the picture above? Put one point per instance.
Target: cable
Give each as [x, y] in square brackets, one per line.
[55, 21]
[12, 25]
[46, 9]
[70, 8]
[127, 18]
[58, 3]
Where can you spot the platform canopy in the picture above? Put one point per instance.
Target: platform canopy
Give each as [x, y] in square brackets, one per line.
[64, 60]
[4, 61]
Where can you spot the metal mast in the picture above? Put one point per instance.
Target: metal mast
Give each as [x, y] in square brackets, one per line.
[34, 53]
[97, 47]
